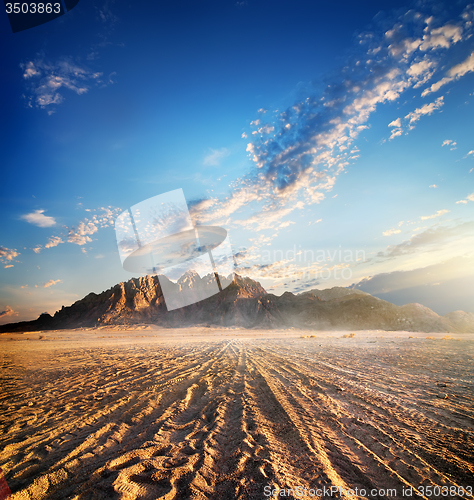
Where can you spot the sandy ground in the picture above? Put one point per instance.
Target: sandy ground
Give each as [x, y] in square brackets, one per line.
[221, 414]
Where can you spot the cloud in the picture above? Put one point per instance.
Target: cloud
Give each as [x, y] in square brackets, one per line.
[267, 218]
[396, 132]
[38, 219]
[215, 156]
[442, 37]
[54, 241]
[81, 234]
[312, 140]
[439, 213]
[456, 72]
[414, 116]
[51, 283]
[451, 143]
[8, 312]
[395, 123]
[266, 129]
[390, 232]
[101, 217]
[445, 286]
[46, 81]
[434, 186]
[468, 154]
[433, 236]
[427, 109]
[7, 255]
[469, 197]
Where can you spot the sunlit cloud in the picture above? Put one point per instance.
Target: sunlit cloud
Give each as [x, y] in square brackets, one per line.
[8, 312]
[53, 242]
[51, 283]
[391, 232]
[299, 153]
[439, 213]
[432, 237]
[7, 255]
[38, 218]
[80, 235]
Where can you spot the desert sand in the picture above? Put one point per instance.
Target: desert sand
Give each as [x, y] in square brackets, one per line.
[207, 413]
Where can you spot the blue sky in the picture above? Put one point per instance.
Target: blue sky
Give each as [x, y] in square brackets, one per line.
[333, 142]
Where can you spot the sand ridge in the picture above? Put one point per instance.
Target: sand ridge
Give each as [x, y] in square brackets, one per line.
[220, 414]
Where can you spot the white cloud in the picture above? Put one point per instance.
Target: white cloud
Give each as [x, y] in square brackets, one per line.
[101, 217]
[470, 197]
[266, 129]
[396, 132]
[442, 37]
[395, 123]
[427, 109]
[422, 71]
[51, 283]
[468, 154]
[39, 219]
[390, 232]
[451, 143]
[414, 116]
[244, 135]
[461, 202]
[456, 72]
[45, 80]
[215, 156]
[439, 213]
[433, 186]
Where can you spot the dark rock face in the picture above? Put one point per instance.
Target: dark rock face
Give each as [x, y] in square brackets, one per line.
[245, 303]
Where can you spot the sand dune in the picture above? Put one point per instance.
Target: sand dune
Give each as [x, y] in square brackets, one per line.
[215, 414]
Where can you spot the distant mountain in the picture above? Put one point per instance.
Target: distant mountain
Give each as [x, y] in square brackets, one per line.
[245, 303]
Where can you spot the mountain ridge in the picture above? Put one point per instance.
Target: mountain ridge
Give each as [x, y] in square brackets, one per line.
[245, 303]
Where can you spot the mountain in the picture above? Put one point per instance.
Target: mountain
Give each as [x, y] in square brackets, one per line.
[245, 303]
